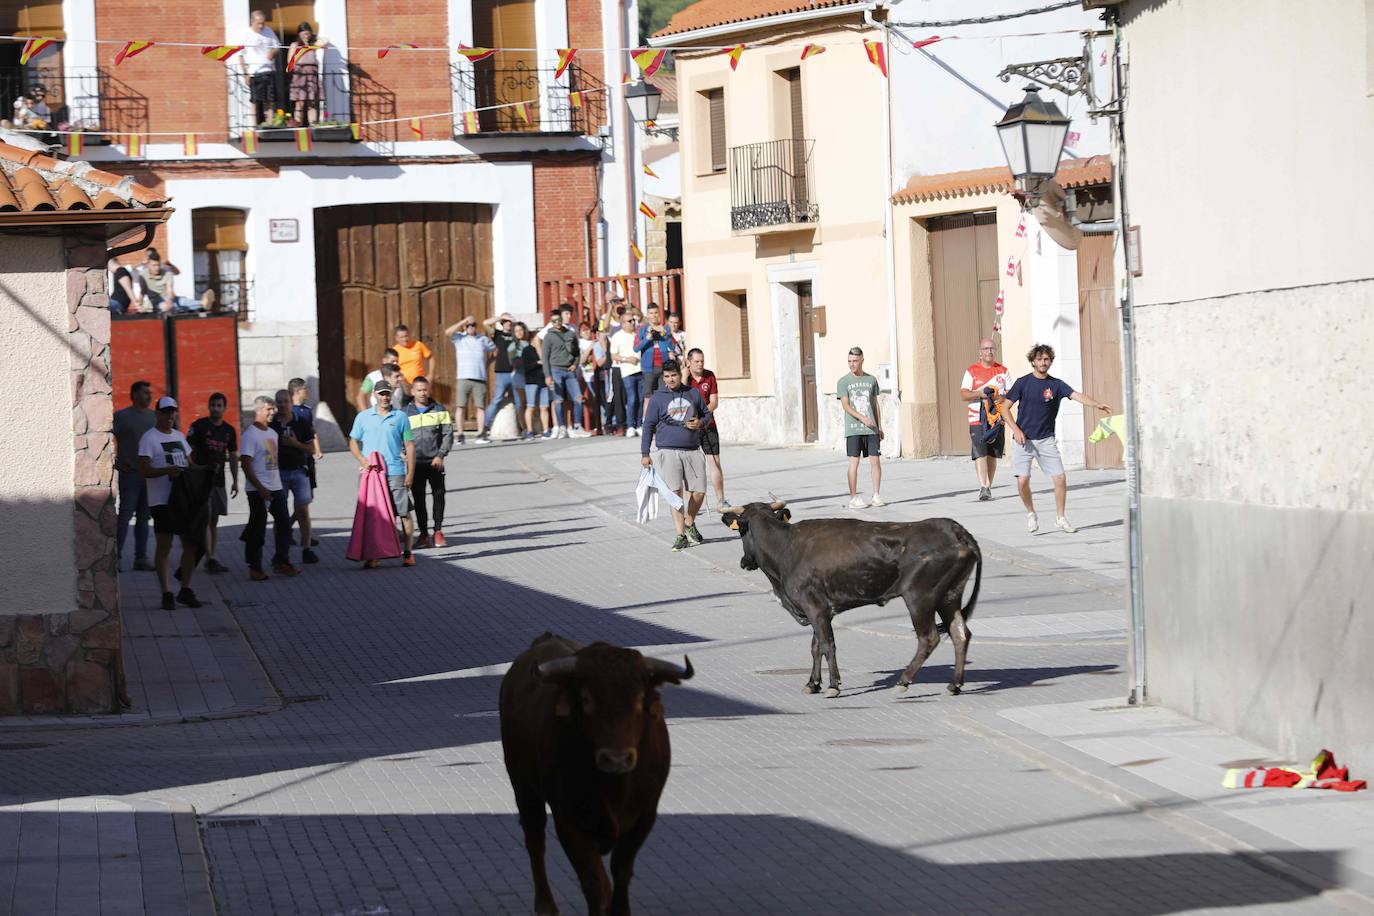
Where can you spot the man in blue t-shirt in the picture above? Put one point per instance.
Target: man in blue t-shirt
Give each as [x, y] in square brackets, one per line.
[1037, 397]
[387, 432]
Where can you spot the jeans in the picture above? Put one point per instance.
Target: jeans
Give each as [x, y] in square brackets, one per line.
[634, 393]
[505, 384]
[133, 499]
[428, 476]
[255, 532]
[612, 398]
[567, 383]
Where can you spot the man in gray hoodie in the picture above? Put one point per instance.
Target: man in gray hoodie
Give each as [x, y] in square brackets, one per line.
[673, 421]
[560, 354]
[431, 426]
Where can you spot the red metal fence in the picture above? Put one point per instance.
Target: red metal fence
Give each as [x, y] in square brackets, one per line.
[588, 295]
[186, 356]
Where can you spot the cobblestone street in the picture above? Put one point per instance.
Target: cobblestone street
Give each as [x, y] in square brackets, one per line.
[377, 787]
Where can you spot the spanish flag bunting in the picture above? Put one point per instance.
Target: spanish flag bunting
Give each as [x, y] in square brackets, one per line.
[189, 146]
[33, 47]
[294, 57]
[925, 41]
[876, 56]
[471, 123]
[132, 49]
[302, 139]
[565, 57]
[356, 129]
[647, 210]
[134, 145]
[624, 286]
[383, 52]
[634, 250]
[250, 142]
[221, 52]
[417, 128]
[575, 99]
[473, 55]
[997, 327]
[1011, 266]
[1021, 228]
[74, 143]
[649, 60]
[812, 51]
[650, 172]
[1000, 305]
[735, 54]
[522, 111]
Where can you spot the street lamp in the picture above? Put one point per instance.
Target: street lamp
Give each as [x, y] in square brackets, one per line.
[1033, 132]
[644, 99]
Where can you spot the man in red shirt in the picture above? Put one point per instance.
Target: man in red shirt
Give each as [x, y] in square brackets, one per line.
[986, 373]
[704, 380]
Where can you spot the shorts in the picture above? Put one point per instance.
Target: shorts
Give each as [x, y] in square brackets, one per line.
[653, 378]
[536, 394]
[984, 449]
[219, 500]
[470, 389]
[296, 482]
[869, 446]
[400, 496]
[163, 523]
[1044, 451]
[710, 441]
[262, 87]
[682, 468]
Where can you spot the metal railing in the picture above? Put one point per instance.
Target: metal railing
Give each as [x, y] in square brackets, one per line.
[772, 184]
[330, 105]
[230, 295]
[589, 295]
[478, 86]
[80, 98]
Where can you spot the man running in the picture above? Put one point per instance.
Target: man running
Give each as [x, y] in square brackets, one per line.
[129, 426]
[704, 381]
[431, 427]
[215, 443]
[675, 418]
[1037, 397]
[863, 433]
[259, 455]
[163, 453]
[387, 432]
[983, 375]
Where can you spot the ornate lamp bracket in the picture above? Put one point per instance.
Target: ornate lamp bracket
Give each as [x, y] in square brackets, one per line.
[1069, 75]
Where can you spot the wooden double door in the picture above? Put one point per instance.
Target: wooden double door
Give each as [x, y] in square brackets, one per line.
[424, 265]
[964, 278]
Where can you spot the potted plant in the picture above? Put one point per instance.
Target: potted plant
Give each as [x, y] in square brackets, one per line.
[277, 129]
[332, 130]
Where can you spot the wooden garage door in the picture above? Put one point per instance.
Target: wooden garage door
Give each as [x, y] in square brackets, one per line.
[964, 278]
[423, 265]
[1100, 341]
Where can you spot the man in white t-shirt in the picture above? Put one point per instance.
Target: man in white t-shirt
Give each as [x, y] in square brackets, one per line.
[626, 358]
[260, 46]
[163, 453]
[259, 448]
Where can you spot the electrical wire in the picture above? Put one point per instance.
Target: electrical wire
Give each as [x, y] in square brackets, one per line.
[1003, 17]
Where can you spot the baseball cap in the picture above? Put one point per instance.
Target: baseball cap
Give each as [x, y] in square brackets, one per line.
[381, 386]
[166, 403]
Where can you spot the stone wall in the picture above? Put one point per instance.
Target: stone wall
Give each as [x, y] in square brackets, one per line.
[72, 661]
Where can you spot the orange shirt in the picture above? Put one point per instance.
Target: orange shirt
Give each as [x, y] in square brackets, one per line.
[411, 359]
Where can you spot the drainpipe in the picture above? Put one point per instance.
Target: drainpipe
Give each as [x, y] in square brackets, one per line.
[628, 154]
[896, 424]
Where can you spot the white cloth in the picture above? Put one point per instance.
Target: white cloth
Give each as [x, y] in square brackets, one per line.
[163, 450]
[651, 484]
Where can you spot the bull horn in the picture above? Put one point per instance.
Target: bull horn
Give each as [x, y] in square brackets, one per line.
[777, 504]
[667, 670]
[725, 510]
[558, 668]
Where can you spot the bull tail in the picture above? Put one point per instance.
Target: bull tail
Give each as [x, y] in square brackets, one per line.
[977, 583]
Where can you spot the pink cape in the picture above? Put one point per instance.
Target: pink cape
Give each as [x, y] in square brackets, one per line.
[374, 520]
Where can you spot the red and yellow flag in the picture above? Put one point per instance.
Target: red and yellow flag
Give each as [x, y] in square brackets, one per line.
[648, 60]
[650, 172]
[134, 145]
[876, 56]
[303, 144]
[473, 55]
[356, 129]
[132, 49]
[624, 286]
[471, 123]
[295, 55]
[565, 57]
[74, 143]
[383, 52]
[250, 142]
[575, 99]
[634, 250]
[34, 46]
[647, 210]
[812, 51]
[189, 147]
[523, 112]
[925, 41]
[221, 52]
[417, 129]
[735, 54]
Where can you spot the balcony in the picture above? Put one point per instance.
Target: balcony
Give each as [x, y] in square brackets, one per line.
[85, 99]
[346, 94]
[772, 187]
[551, 112]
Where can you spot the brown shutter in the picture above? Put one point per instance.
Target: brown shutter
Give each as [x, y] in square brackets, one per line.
[716, 101]
[794, 91]
[744, 334]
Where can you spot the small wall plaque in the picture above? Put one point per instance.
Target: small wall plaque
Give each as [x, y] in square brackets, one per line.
[284, 230]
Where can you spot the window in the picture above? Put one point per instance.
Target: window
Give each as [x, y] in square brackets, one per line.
[715, 119]
[221, 250]
[732, 334]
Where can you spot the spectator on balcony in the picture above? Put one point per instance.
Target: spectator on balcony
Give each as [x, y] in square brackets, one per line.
[305, 92]
[473, 352]
[626, 361]
[256, 62]
[31, 111]
[157, 281]
[125, 295]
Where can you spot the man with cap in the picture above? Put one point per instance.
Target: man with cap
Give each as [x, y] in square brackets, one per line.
[387, 432]
[863, 434]
[163, 453]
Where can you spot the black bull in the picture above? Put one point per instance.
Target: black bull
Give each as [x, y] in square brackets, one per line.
[821, 567]
[582, 730]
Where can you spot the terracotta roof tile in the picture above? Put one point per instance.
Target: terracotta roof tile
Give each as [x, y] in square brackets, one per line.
[1073, 173]
[32, 181]
[665, 83]
[705, 14]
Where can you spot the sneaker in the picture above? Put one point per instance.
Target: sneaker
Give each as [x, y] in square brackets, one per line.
[694, 535]
[462, 439]
[408, 560]
[215, 566]
[549, 434]
[484, 439]
[285, 569]
[632, 432]
[440, 540]
[877, 501]
[1063, 525]
[309, 556]
[169, 601]
[562, 433]
[679, 544]
[579, 433]
[527, 436]
[188, 598]
[258, 575]
[857, 503]
[1032, 522]
[984, 494]
[422, 542]
[143, 564]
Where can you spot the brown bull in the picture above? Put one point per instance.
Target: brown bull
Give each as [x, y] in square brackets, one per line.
[582, 730]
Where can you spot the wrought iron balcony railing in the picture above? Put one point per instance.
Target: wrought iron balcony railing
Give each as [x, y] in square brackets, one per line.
[88, 99]
[327, 107]
[772, 184]
[477, 86]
